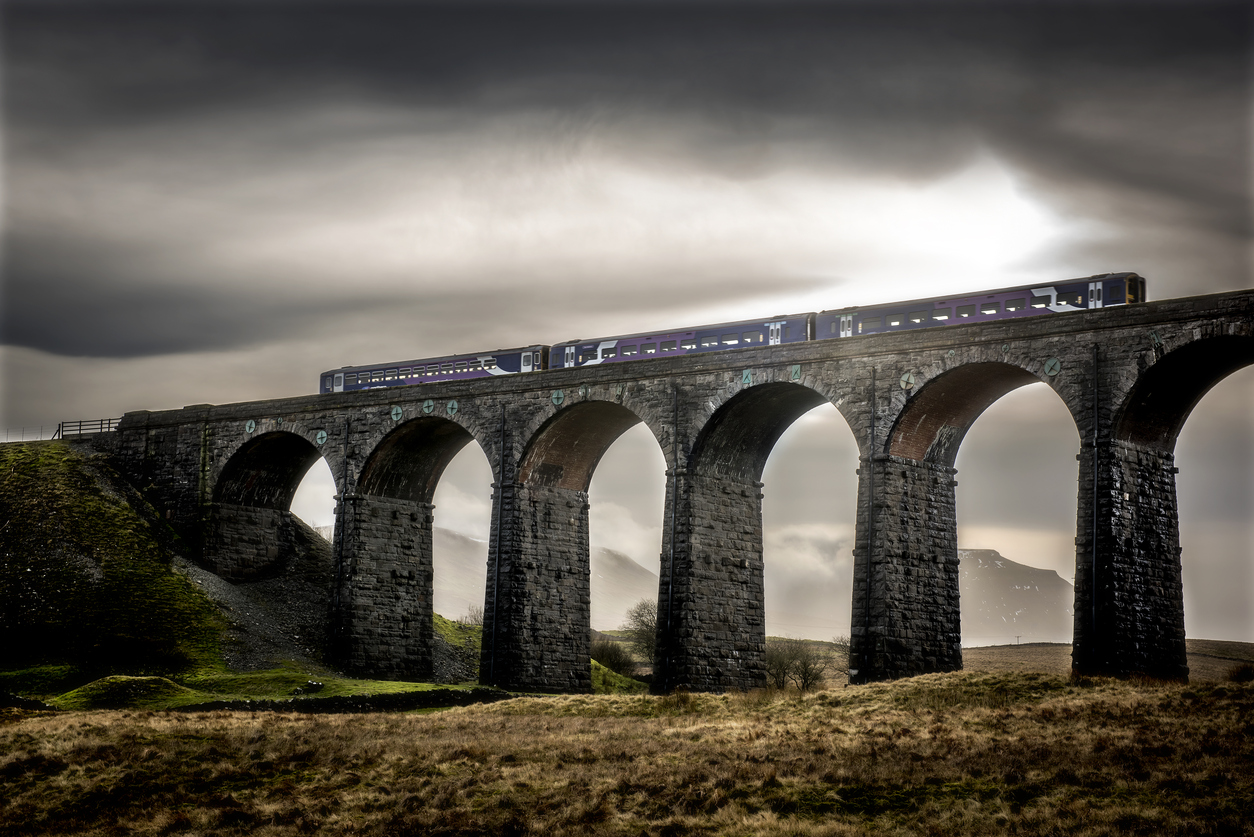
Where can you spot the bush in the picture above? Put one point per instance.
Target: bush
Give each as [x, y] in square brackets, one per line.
[614, 656]
[796, 661]
[1243, 673]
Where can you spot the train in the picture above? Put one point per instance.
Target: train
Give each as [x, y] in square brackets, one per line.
[1100, 291]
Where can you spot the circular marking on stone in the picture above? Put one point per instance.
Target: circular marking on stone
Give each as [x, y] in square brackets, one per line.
[907, 380]
[558, 397]
[451, 408]
[278, 420]
[1053, 366]
[250, 426]
[428, 406]
[1005, 348]
[1155, 338]
[397, 412]
[583, 391]
[952, 353]
[321, 437]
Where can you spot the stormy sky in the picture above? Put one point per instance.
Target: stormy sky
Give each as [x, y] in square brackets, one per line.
[215, 201]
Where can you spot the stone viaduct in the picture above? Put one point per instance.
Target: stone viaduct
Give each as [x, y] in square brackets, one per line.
[224, 476]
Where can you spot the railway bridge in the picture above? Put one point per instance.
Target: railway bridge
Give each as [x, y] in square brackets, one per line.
[225, 475]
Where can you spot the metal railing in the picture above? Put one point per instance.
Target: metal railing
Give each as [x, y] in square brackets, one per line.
[82, 428]
[60, 430]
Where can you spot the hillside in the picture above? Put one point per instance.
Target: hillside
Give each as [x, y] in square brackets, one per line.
[86, 571]
[1005, 602]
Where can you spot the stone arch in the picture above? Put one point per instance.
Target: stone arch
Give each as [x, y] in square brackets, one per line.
[250, 532]
[565, 450]
[1158, 404]
[932, 423]
[736, 440]
[265, 470]
[406, 464]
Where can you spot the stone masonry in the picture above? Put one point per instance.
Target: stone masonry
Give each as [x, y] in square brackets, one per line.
[225, 475]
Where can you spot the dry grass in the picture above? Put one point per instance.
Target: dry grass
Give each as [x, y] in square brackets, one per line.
[941, 754]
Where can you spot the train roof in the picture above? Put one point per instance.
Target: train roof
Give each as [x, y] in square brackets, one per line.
[687, 330]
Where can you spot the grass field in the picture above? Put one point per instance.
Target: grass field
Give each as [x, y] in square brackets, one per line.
[969, 753]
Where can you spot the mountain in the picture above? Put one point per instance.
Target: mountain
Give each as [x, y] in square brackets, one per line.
[461, 566]
[1004, 602]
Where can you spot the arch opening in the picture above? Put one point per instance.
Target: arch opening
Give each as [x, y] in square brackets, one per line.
[809, 513]
[1016, 523]
[738, 439]
[936, 419]
[266, 471]
[408, 463]
[566, 450]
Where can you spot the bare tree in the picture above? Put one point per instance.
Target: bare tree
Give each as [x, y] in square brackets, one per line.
[473, 617]
[778, 663]
[809, 664]
[641, 628]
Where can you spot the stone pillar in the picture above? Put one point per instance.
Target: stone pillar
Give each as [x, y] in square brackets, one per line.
[1129, 613]
[711, 609]
[536, 614]
[247, 543]
[908, 621]
[382, 608]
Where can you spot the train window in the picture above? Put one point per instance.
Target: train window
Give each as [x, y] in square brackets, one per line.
[731, 339]
[1076, 299]
[473, 365]
[688, 343]
[709, 340]
[752, 337]
[896, 319]
[405, 372]
[1039, 302]
[918, 316]
[606, 354]
[868, 323]
[1014, 305]
[461, 366]
[489, 363]
[648, 348]
[966, 310]
[668, 345]
[628, 350]
[446, 369]
[832, 330]
[535, 360]
[587, 355]
[787, 332]
[376, 375]
[350, 379]
[940, 313]
[990, 308]
[389, 375]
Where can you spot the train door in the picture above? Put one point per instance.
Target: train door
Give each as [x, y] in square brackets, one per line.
[526, 361]
[338, 386]
[570, 356]
[846, 325]
[774, 330]
[1095, 294]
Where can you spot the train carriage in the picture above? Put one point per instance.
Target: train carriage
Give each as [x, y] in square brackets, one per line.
[430, 370]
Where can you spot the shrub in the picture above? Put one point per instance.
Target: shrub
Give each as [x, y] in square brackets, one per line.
[1243, 673]
[614, 656]
[641, 628]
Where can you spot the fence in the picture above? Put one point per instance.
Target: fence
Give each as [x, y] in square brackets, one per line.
[61, 430]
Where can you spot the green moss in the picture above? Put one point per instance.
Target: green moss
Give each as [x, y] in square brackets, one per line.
[85, 572]
[606, 682]
[122, 692]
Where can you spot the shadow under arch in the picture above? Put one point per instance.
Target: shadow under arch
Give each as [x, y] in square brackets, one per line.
[408, 462]
[738, 439]
[266, 471]
[537, 607]
[249, 531]
[1159, 403]
[935, 420]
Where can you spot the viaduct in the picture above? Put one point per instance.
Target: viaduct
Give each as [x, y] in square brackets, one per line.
[224, 477]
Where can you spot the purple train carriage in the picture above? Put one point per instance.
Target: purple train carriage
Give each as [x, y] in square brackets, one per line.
[1100, 291]
[790, 328]
[429, 370]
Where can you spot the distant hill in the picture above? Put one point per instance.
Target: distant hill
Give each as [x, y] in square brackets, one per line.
[461, 568]
[1004, 602]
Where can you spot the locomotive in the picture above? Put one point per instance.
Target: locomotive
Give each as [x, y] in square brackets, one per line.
[1100, 291]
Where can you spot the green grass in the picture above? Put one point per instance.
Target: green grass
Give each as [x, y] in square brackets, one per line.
[606, 682]
[85, 572]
